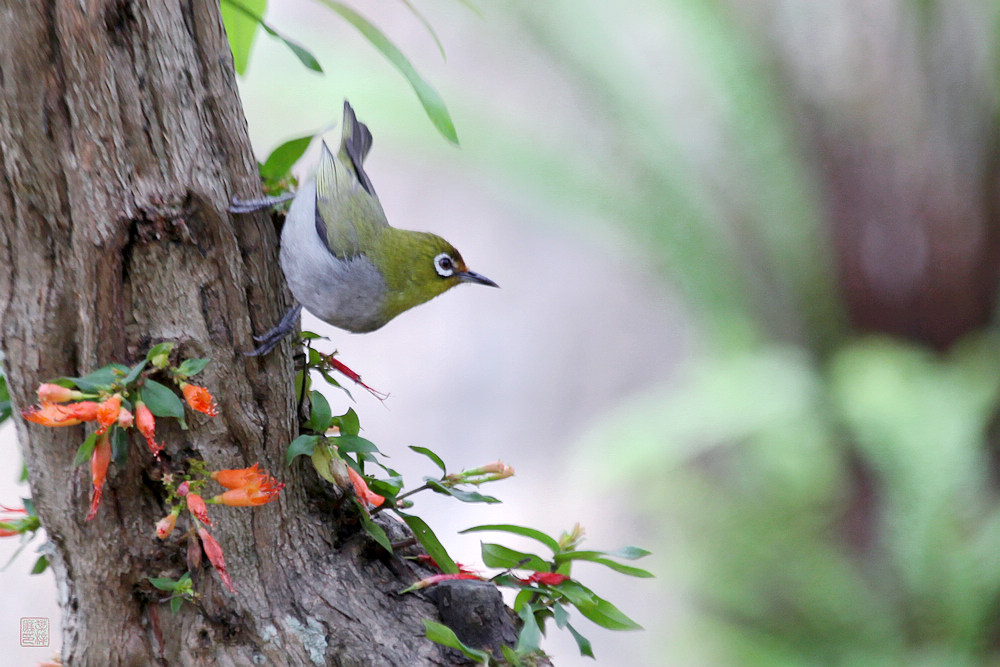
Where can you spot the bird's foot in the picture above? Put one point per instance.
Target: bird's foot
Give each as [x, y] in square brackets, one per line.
[250, 205]
[270, 339]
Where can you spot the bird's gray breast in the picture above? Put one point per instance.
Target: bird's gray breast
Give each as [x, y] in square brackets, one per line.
[345, 293]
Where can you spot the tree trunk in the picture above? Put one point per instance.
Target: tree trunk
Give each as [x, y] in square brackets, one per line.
[122, 140]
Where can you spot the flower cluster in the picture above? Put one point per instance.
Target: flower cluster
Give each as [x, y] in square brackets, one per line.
[246, 487]
[116, 398]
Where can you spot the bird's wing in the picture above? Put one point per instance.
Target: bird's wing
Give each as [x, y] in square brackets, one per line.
[348, 213]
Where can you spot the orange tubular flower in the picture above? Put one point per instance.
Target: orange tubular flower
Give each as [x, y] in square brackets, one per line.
[51, 414]
[199, 399]
[247, 486]
[234, 479]
[54, 393]
[146, 424]
[107, 412]
[214, 553]
[361, 488]
[197, 506]
[99, 462]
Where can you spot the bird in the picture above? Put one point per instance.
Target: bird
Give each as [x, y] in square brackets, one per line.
[342, 260]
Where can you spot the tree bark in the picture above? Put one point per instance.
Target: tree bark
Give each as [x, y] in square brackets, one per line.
[122, 140]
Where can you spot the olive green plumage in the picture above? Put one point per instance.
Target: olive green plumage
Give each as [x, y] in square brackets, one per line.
[342, 259]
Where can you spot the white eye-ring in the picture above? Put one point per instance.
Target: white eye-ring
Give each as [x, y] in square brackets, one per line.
[444, 265]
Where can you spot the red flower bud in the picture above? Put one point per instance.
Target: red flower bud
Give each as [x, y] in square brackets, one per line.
[214, 553]
[54, 393]
[146, 424]
[99, 461]
[196, 504]
[165, 526]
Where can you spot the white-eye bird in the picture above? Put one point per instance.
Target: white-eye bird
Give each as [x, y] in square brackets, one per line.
[341, 258]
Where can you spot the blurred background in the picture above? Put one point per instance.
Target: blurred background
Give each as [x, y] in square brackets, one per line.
[749, 253]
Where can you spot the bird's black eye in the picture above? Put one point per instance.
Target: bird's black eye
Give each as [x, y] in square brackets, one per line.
[444, 265]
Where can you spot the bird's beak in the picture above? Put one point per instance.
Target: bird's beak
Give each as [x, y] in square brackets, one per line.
[473, 277]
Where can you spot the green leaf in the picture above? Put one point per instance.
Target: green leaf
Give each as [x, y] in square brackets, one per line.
[191, 367]
[430, 543]
[321, 457]
[101, 379]
[524, 531]
[530, 636]
[301, 53]
[499, 556]
[372, 528]
[445, 636]
[464, 496]
[301, 446]
[427, 24]
[85, 450]
[353, 443]
[119, 445]
[523, 596]
[175, 604]
[165, 348]
[597, 557]
[432, 456]
[240, 19]
[163, 583]
[280, 161]
[348, 422]
[433, 104]
[5, 407]
[161, 400]
[134, 372]
[582, 642]
[595, 608]
[40, 565]
[320, 414]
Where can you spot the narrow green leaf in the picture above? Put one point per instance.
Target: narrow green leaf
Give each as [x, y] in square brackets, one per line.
[524, 531]
[628, 553]
[464, 496]
[606, 615]
[119, 445]
[239, 17]
[320, 414]
[499, 556]
[175, 604]
[134, 372]
[523, 597]
[445, 636]
[301, 53]
[432, 456]
[596, 557]
[373, 529]
[530, 636]
[161, 400]
[40, 565]
[301, 446]
[433, 104]
[100, 379]
[5, 406]
[85, 450]
[595, 608]
[281, 159]
[430, 543]
[427, 25]
[582, 642]
[191, 367]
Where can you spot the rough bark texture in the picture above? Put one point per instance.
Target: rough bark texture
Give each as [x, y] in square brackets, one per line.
[121, 142]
